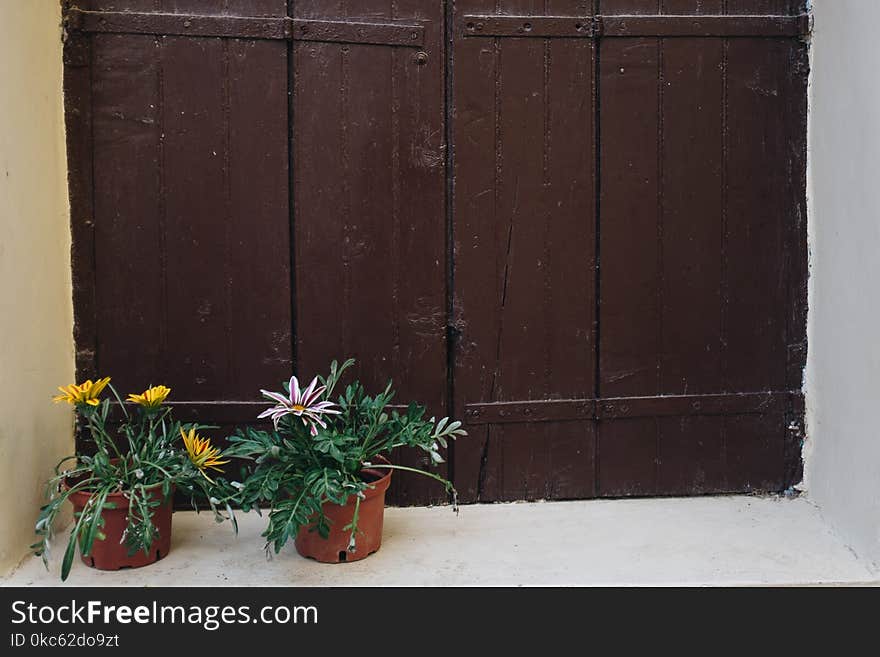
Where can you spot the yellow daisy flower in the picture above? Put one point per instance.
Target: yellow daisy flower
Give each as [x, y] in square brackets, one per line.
[202, 455]
[84, 393]
[151, 397]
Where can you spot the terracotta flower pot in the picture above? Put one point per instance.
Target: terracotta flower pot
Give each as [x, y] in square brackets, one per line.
[112, 552]
[334, 549]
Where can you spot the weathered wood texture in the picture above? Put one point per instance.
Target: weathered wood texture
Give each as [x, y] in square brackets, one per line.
[608, 283]
[701, 242]
[210, 186]
[525, 269]
[369, 198]
[686, 279]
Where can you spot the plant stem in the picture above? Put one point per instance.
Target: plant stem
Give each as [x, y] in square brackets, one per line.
[443, 481]
[354, 524]
[158, 467]
[118, 398]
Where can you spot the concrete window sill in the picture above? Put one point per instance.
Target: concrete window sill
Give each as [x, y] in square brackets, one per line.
[737, 540]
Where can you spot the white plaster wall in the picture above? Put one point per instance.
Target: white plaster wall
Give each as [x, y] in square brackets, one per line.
[843, 370]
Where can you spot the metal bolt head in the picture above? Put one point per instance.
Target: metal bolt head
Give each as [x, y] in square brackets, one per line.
[421, 58]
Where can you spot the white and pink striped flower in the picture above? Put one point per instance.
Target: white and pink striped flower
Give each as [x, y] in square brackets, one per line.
[304, 404]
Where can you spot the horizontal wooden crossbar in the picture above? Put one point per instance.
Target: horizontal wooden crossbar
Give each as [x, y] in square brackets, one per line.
[483, 25]
[160, 24]
[705, 26]
[413, 34]
[557, 410]
[631, 407]
[383, 34]
[528, 26]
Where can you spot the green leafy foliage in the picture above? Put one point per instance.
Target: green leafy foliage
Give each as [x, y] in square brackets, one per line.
[295, 473]
[136, 456]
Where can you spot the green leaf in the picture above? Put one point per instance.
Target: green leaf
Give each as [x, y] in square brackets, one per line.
[96, 506]
[69, 553]
[68, 558]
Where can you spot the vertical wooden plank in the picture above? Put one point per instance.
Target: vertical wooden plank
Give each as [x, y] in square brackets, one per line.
[524, 153]
[385, 133]
[518, 367]
[675, 220]
[369, 190]
[370, 239]
[419, 354]
[476, 157]
[762, 7]
[629, 7]
[255, 7]
[629, 250]
[196, 215]
[321, 160]
[757, 177]
[755, 453]
[780, 190]
[258, 253]
[569, 263]
[692, 458]
[128, 234]
[692, 212]
[691, 7]
[628, 456]
[322, 193]
[349, 204]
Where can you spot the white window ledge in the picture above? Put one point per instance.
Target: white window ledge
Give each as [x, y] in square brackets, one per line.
[737, 540]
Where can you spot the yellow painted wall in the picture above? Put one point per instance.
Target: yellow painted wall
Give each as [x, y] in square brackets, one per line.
[36, 312]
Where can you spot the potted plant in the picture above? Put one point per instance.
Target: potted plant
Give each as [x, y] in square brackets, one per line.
[122, 493]
[323, 469]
